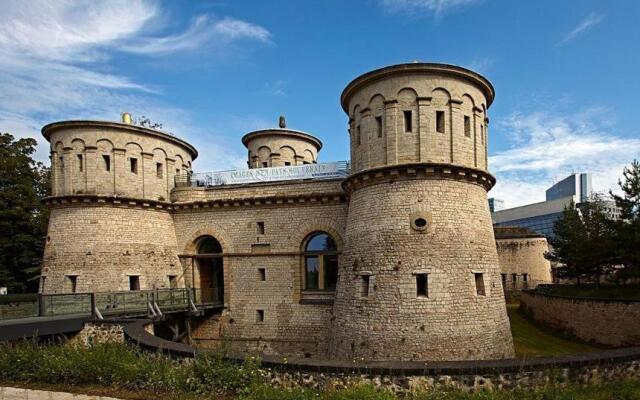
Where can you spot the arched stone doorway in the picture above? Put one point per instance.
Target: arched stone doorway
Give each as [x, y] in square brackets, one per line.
[210, 270]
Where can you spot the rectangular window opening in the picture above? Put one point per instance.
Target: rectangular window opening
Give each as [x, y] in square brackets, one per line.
[159, 170]
[265, 164]
[379, 126]
[358, 135]
[479, 277]
[467, 126]
[80, 166]
[287, 163]
[61, 163]
[107, 162]
[408, 121]
[134, 282]
[422, 285]
[514, 278]
[262, 274]
[481, 134]
[260, 227]
[440, 121]
[73, 283]
[504, 280]
[133, 165]
[364, 289]
[173, 281]
[259, 315]
[312, 273]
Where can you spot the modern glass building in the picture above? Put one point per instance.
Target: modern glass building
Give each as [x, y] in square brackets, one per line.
[541, 217]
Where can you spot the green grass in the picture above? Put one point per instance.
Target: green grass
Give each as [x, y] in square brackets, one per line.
[625, 292]
[532, 340]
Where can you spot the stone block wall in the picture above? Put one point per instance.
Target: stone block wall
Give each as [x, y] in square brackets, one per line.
[522, 262]
[608, 322]
[103, 244]
[290, 327]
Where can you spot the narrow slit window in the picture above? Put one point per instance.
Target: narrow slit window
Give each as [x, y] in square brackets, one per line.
[177, 171]
[525, 277]
[467, 126]
[260, 227]
[440, 121]
[514, 278]
[262, 274]
[364, 289]
[107, 162]
[379, 126]
[133, 165]
[134, 282]
[481, 134]
[61, 163]
[173, 281]
[259, 315]
[504, 280]
[422, 285]
[479, 278]
[80, 164]
[358, 135]
[408, 121]
[159, 170]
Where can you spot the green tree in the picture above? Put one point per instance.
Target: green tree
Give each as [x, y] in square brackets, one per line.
[23, 219]
[582, 245]
[627, 249]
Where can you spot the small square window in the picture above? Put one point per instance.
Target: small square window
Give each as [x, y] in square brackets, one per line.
[440, 121]
[408, 121]
[287, 163]
[260, 227]
[467, 126]
[422, 285]
[479, 278]
[159, 170]
[107, 162]
[364, 288]
[134, 282]
[379, 126]
[259, 316]
[80, 164]
[133, 165]
[265, 164]
[262, 274]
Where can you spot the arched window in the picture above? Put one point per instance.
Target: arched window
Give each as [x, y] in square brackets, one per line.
[320, 262]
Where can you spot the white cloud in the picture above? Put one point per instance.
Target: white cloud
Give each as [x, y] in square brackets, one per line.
[437, 7]
[587, 23]
[54, 58]
[201, 32]
[547, 147]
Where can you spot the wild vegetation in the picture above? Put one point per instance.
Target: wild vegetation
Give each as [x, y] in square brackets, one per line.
[126, 372]
[588, 246]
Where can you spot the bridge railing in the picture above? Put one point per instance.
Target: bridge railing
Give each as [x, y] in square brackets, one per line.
[118, 303]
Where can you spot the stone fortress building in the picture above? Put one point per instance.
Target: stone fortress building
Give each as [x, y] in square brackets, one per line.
[392, 259]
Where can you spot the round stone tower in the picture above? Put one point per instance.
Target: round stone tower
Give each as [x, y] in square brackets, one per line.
[278, 147]
[419, 276]
[110, 226]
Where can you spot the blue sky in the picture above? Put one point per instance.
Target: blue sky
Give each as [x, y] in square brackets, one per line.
[565, 72]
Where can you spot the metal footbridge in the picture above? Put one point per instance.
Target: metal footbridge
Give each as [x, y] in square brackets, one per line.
[51, 314]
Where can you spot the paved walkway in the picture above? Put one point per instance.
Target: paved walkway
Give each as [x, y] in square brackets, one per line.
[9, 393]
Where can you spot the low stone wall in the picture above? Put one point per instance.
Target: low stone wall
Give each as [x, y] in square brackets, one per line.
[98, 332]
[408, 376]
[608, 322]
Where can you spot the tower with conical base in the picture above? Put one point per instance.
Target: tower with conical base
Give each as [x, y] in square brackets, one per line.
[419, 276]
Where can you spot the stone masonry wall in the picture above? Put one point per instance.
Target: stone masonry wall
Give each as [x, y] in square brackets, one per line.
[290, 327]
[277, 148]
[394, 322]
[608, 322]
[80, 154]
[104, 244]
[522, 256]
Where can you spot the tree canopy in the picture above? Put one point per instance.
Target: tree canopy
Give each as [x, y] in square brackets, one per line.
[23, 219]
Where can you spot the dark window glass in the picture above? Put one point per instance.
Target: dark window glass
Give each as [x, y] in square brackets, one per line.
[330, 272]
[408, 121]
[312, 272]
